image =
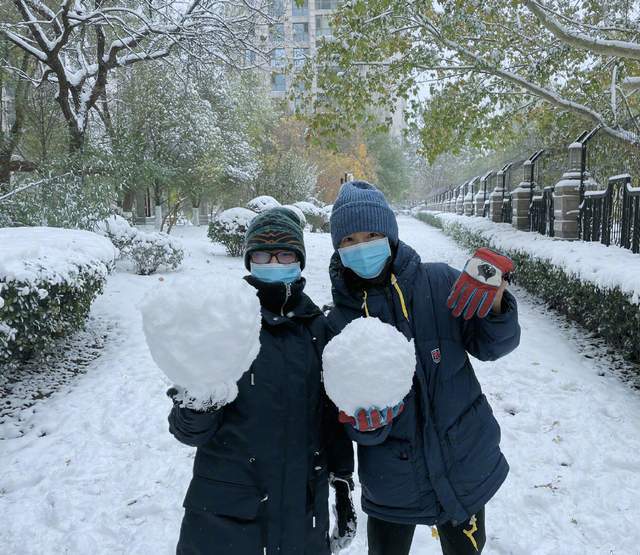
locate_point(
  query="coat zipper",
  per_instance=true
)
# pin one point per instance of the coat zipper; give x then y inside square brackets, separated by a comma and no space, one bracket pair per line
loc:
[287,294]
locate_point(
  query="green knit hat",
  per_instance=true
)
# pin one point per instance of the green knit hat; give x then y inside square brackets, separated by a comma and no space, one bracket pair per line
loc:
[277,228]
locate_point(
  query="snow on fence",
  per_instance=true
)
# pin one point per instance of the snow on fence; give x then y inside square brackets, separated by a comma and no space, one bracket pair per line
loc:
[592,284]
[573,207]
[48,279]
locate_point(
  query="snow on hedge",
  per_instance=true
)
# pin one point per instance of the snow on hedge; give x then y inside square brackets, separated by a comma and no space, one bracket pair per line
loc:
[48,279]
[308,208]
[118,230]
[369,364]
[235,218]
[147,250]
[203,336]
[150,250]
[606,267]
[316,217]
[33,254]
[297,212]
[229,228]
[262,203]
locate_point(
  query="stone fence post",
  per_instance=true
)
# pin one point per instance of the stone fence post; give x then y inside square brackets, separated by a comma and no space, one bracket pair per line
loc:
[566,197]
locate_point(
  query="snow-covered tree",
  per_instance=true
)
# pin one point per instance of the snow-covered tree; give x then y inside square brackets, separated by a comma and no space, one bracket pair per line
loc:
[77,44]
[179,139]
[482,66]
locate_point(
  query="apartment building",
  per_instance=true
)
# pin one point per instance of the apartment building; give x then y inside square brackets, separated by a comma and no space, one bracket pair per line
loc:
[295,39]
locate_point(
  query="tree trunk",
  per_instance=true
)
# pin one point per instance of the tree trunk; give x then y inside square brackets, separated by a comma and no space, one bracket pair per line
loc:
[76,138]
[5,173]
[159,219]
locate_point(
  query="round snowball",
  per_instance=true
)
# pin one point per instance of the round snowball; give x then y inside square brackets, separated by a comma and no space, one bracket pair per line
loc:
[203,336]
[369,364]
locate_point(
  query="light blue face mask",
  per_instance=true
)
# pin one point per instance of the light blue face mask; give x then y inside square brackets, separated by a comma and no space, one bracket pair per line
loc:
[366,259]
[273,273]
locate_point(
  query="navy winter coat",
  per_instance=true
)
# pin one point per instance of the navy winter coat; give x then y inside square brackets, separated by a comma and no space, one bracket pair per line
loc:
[260,475]
[440,459]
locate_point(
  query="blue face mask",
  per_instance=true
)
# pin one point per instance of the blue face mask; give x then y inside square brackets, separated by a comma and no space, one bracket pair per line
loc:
[273,273]
[366,259]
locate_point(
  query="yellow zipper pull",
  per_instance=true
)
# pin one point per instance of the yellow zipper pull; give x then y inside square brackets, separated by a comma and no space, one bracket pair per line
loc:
[364,303]
[394,282]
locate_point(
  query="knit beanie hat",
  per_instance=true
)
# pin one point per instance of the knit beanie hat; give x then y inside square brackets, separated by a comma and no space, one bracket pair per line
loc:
[362,207]
[277,228]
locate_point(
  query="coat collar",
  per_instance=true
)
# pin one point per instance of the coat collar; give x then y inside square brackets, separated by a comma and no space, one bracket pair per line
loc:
[405,265]
[279,305]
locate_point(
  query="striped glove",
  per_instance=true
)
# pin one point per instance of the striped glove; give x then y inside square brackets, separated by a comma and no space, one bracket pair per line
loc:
[367,420]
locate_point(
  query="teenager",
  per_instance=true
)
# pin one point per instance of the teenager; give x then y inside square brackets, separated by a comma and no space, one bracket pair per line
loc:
[263,462]
[435,458]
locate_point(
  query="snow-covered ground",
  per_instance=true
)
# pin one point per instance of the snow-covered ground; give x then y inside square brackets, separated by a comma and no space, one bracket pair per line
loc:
[99,473]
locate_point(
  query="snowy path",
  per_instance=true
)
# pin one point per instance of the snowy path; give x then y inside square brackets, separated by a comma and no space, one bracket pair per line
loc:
[99,473]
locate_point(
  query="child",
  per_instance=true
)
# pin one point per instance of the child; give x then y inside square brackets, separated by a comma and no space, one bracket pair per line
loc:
[435,458]
[261,471]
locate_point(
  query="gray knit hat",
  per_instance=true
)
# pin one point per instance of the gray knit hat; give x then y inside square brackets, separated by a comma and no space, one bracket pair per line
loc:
[362,207]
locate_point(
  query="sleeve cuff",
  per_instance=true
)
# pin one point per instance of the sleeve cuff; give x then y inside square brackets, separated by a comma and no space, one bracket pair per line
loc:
[508,307]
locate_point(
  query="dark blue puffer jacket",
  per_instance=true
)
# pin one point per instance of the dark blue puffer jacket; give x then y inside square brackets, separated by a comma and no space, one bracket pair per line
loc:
[260,475]
[440,459]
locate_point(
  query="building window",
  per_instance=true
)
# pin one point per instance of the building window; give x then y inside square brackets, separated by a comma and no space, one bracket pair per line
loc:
[297,10]
[300,56]
[323,27]
[278,82]
[301,32]
[278,58]
[276,33]
[276,8]
[326,4]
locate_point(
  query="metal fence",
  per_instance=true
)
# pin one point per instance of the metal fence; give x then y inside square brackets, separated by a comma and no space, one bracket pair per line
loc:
[612,216]
[609,214]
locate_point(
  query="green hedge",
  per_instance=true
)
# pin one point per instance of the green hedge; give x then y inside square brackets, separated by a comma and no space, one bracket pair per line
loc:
[33,315]
[610,313]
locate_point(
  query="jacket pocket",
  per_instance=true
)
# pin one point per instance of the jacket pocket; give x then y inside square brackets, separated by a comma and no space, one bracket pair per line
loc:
[388,474]
[223,498]
[224,515]
[474,442]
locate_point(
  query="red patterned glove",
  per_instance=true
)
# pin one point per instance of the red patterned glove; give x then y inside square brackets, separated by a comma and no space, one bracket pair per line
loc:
[476,288]
[367,420]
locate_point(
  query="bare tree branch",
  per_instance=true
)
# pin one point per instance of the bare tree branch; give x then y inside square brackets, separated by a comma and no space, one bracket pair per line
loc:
[78,46]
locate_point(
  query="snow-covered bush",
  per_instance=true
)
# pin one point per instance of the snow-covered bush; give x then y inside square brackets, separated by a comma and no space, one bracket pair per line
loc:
[203,336]
[590,283]
[262,203]
[118,231]
[369,364]
[314,215]
[229,228]
[298,212]
[48,279]
[149,251]
[65,201]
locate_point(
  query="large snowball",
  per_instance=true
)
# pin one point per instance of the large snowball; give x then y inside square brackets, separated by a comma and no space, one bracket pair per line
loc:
[370,364]
[202,335]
